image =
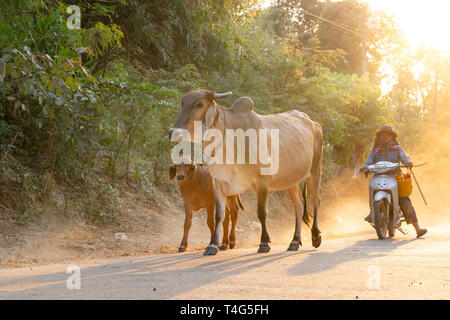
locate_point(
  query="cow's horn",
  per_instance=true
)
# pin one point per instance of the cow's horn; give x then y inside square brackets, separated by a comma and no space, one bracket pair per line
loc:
[222,95]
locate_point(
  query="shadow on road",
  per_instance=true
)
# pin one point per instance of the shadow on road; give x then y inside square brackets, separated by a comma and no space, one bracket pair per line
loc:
[167,276]
[161,276]
[364,249]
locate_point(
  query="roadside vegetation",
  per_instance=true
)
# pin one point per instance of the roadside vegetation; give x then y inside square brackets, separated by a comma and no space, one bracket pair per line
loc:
[84,113]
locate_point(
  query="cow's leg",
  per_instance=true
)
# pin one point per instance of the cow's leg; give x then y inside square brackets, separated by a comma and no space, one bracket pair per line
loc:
[187,226]
[220,201]
[297,201]
[226,223]
[234,218]
[210,219]
[262,215]
[314,186]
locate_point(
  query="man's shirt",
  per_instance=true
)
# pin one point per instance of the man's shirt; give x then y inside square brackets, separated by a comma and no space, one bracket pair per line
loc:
[389,153]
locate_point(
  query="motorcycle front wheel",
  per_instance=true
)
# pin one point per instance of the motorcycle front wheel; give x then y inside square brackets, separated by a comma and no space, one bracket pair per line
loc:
[381,217]
[391,228]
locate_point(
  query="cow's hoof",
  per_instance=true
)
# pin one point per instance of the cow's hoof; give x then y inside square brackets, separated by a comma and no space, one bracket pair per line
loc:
[293,246]
[263,248]
[316,241]
[210,251]
[232,245]
[181,249]
[223,247]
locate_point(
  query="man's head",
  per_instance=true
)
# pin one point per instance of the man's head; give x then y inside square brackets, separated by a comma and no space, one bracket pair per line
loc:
[385,135]
[386,131]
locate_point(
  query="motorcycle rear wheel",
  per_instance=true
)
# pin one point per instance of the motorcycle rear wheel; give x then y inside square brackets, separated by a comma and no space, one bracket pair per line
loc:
[381,217]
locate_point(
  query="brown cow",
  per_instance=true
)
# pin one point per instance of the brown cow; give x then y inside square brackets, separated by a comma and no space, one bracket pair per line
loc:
[196,188]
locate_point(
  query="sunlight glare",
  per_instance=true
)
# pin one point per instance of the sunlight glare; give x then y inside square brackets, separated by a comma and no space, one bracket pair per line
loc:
[423,22]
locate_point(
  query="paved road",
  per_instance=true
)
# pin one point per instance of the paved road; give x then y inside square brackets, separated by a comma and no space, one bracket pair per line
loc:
[346,268]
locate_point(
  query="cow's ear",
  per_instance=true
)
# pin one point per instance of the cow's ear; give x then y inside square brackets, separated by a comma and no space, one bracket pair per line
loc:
[192,169]
[172,172]
[210,117]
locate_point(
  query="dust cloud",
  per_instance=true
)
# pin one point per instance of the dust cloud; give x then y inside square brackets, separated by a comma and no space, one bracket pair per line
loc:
[432,178]
[158,227]
[346,200]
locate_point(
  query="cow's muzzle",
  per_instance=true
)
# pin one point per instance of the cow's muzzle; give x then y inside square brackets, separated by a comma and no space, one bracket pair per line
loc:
[178,134]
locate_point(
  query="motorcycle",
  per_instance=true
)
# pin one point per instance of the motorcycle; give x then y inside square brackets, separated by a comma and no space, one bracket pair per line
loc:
[385,211]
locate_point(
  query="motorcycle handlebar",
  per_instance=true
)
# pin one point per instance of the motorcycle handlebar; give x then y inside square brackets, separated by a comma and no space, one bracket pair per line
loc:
[367,171]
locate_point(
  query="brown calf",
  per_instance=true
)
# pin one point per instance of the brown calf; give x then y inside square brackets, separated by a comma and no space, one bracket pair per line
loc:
[196,188]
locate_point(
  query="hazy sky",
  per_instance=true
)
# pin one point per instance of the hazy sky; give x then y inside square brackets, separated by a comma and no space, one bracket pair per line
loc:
[423,22]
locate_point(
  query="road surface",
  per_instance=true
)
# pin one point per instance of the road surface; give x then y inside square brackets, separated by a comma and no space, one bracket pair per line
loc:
[356,267]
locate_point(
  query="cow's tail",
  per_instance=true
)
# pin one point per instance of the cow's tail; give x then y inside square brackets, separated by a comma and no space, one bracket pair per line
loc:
[307,215]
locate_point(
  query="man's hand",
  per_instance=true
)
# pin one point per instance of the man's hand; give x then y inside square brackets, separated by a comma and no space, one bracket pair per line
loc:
[363,170]
[410,164]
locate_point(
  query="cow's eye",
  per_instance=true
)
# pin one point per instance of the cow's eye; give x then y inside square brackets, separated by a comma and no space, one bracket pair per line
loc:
[200,105]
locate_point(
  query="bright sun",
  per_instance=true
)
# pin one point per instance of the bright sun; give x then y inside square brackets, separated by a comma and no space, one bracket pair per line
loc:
[423,22]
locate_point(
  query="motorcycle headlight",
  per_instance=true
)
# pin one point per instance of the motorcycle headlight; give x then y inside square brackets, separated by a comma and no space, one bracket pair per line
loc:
[381,183]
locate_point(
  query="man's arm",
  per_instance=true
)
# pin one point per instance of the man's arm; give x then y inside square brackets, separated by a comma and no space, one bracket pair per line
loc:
[370,159]
[404,158]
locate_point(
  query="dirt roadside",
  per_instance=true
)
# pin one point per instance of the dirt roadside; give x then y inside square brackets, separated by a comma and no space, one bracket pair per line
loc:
[148,227]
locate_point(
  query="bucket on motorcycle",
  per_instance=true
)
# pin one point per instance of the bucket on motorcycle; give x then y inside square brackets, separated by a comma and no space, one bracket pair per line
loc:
[404,182]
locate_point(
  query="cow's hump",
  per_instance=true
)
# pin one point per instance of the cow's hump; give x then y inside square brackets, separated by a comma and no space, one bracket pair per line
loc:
[243,104]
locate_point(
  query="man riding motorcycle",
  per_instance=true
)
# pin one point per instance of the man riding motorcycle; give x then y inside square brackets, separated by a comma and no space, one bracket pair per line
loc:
[386,148]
